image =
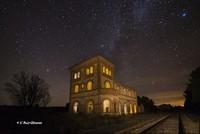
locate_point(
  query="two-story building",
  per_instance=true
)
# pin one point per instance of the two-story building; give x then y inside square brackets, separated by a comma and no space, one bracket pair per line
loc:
[94,90]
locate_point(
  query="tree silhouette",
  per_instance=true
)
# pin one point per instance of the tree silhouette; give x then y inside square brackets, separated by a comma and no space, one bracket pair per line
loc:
[147,103]
[28,90]
[192,93]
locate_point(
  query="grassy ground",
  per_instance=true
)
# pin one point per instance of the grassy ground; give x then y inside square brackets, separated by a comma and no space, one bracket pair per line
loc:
[59,121]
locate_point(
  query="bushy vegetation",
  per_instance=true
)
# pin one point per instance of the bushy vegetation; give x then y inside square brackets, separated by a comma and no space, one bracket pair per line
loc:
[192,93]
[148,104]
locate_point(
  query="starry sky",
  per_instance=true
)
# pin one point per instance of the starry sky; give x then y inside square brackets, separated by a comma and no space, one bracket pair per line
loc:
[154,44]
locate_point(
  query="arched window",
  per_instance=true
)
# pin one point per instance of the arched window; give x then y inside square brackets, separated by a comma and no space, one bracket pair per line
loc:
[90,107]
[76,107]
[87,71]
[91,69]
[89,85]
[106,106]
[76,88]
[79,75]
[104,69]
[107,71]
[107,84]
[75,76]
[125,109]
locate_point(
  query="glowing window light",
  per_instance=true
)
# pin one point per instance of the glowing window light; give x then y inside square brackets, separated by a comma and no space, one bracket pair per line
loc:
[104,69]
[106,106]
[87,71]
[107,71]
[76,107]
[76,88]
[90,107]
[107,84]
[91,69]
[89,85]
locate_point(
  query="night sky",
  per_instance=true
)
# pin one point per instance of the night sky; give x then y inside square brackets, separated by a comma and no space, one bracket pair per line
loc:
[154,44]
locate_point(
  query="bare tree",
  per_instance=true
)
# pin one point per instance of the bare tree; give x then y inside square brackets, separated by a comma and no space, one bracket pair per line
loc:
[28,90]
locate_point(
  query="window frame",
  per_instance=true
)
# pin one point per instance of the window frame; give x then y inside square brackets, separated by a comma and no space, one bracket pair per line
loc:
[105,83]
[92,86]
[109,106]
[88,105]
[77,107]
[78,88]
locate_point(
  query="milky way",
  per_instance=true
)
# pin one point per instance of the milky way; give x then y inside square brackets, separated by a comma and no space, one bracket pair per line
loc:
[154,44]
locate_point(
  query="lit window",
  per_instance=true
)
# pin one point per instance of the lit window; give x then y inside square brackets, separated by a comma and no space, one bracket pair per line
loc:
[91,69]
[106,106]
[87,71]
[104,69]
[89,85]
[75,107]
[107,71]
[107,84]
[90,107]
[75,75]
[76,88]
[78,74]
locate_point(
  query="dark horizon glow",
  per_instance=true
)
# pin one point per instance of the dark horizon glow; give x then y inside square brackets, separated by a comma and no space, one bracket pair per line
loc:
[153,44]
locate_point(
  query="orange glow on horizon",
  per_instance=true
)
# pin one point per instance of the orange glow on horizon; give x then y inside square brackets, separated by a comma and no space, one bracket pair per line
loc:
[173,97]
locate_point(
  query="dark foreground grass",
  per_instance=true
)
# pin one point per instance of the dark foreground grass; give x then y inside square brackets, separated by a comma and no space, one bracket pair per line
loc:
[59,121]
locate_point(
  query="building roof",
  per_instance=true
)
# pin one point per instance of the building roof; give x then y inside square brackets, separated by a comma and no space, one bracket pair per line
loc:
[90,58]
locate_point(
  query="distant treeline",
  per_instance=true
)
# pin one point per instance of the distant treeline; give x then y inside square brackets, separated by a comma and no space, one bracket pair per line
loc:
[192,93]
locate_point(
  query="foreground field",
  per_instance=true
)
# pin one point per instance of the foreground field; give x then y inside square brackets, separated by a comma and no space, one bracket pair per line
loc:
[58,120]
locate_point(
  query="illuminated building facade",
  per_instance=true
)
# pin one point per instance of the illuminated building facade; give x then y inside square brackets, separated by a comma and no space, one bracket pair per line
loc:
[94,90]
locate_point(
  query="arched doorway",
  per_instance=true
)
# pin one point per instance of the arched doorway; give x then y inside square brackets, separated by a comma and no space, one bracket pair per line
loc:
[90,107]
[106,106]
[76,107]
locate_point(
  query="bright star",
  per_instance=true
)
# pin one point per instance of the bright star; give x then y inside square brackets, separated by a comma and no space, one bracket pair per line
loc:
[184,14]
[47,70]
